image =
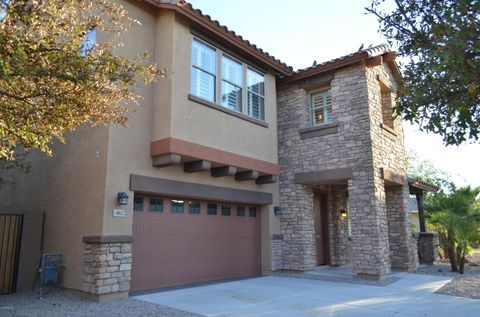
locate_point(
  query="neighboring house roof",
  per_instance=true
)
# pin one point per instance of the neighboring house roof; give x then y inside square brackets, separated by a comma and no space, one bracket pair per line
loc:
[417,185]
[383,52]
[206,22]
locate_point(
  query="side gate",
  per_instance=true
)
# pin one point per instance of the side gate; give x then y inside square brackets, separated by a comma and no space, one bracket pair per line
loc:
[10,237]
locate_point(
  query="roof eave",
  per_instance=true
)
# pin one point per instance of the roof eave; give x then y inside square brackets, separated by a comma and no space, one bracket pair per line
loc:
[222,33]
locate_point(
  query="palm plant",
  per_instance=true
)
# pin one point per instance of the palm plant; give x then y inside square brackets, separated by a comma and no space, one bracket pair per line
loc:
[456,218]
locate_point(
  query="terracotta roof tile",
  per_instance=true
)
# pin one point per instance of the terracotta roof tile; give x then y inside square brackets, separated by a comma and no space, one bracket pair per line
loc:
[185,7]
[368,52]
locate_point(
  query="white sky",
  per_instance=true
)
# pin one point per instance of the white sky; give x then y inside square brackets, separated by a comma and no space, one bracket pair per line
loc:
[300,31]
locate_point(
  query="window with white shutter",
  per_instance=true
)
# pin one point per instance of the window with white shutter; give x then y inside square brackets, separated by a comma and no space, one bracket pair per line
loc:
[320,108]
[231,83]
[204,69]
[256,94]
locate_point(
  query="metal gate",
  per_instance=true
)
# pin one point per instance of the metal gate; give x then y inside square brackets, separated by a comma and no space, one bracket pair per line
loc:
[10,235]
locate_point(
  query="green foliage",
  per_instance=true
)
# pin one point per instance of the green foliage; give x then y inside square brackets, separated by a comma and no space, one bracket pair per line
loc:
[456,217]
[439,42]
[52,79]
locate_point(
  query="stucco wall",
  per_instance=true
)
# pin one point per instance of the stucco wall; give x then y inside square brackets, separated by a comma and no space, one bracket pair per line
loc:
[166,111]
[69,187]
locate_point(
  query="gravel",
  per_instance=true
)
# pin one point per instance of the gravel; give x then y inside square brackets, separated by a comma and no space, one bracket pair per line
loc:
[65,303]
[463,285]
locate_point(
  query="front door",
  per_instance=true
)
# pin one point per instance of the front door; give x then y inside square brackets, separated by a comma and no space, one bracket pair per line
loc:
[321,229]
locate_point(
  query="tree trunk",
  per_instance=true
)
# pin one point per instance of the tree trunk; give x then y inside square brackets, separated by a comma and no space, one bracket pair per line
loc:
[452,257]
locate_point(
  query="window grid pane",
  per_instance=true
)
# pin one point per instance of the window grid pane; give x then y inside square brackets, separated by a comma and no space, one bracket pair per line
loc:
[194,207]
[177,206]
[240,211]
[256,94]
[226,210]
[138,203]
[252,212]
[321,108]
[231,96]
[155,205]
[204,69]
[212,209]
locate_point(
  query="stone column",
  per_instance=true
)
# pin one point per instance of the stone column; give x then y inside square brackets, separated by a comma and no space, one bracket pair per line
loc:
[297,224]
[366,195]
[402,246]
[428,243]
[338,226]
[107,269]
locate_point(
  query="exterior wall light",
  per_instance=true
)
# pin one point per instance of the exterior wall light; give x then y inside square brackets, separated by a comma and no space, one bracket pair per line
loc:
[277,210]
[343,213]
[122,198]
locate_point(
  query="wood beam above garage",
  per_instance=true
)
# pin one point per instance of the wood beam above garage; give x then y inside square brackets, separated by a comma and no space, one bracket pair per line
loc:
[266,179]
[246,176]
[223,171]
[197,166]
[167,160]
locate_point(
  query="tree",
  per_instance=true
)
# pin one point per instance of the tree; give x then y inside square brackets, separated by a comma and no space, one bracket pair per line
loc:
[439,43]
[456,218]
[54,77]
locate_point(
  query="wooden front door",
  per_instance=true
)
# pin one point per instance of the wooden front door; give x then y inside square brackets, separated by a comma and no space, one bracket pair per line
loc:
[321,229]
[10,234]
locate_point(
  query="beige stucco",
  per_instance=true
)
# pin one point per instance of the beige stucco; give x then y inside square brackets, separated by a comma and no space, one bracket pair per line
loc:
[78,186]
[69,187]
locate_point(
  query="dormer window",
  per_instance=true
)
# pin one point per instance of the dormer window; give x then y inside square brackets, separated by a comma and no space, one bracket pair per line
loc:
[320,108]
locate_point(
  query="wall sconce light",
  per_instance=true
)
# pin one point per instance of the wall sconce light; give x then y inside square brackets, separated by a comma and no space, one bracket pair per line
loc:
[343,213]
[122,198]
[277,210]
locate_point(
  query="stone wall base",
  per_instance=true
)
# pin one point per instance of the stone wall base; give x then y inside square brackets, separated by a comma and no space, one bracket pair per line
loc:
[427,243]
[107,269]
[372,277]
[101,298]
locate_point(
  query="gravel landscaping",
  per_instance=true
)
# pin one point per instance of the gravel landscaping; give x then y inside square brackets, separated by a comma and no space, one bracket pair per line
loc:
[462,285]
[64,303]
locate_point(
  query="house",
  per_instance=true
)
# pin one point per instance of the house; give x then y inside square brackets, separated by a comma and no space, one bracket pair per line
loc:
[234,166]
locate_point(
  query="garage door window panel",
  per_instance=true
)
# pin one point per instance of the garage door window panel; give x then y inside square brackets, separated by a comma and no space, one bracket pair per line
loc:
[240,211]
[155,205]
[177,206]
[138,204]
[252,212]
[212,209]
[194,207]
[226,210]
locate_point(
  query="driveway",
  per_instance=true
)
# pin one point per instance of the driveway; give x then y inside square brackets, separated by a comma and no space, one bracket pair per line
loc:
[278,296]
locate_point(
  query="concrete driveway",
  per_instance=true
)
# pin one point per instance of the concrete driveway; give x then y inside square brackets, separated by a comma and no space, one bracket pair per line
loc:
[277,296]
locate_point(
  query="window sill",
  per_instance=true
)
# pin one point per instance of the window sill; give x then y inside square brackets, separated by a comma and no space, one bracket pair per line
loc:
[228,111]
[388,132]
[324,129]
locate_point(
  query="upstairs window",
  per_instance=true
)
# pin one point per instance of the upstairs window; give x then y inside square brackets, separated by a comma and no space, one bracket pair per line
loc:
[204,70]
[386,101]
[240,87]
[231,84]
[320,108]
[256,94]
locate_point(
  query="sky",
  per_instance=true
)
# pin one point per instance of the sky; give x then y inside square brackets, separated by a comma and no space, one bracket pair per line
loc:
[299,32]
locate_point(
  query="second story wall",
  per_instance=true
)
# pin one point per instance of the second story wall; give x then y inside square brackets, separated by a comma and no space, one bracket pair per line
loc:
[343,141]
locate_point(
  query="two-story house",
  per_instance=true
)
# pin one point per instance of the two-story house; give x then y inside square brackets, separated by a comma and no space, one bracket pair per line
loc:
[233,166]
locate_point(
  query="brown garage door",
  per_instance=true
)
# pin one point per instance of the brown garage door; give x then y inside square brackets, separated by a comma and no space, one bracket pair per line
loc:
[178,242]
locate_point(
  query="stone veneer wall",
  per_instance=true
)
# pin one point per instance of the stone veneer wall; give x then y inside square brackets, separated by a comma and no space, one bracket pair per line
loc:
[428,243]
[360,144]
[338,226]
[389,153]
[107,268]
[277,251]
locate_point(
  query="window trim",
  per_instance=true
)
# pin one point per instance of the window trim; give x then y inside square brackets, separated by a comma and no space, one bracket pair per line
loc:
[323,107]
[244,104]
